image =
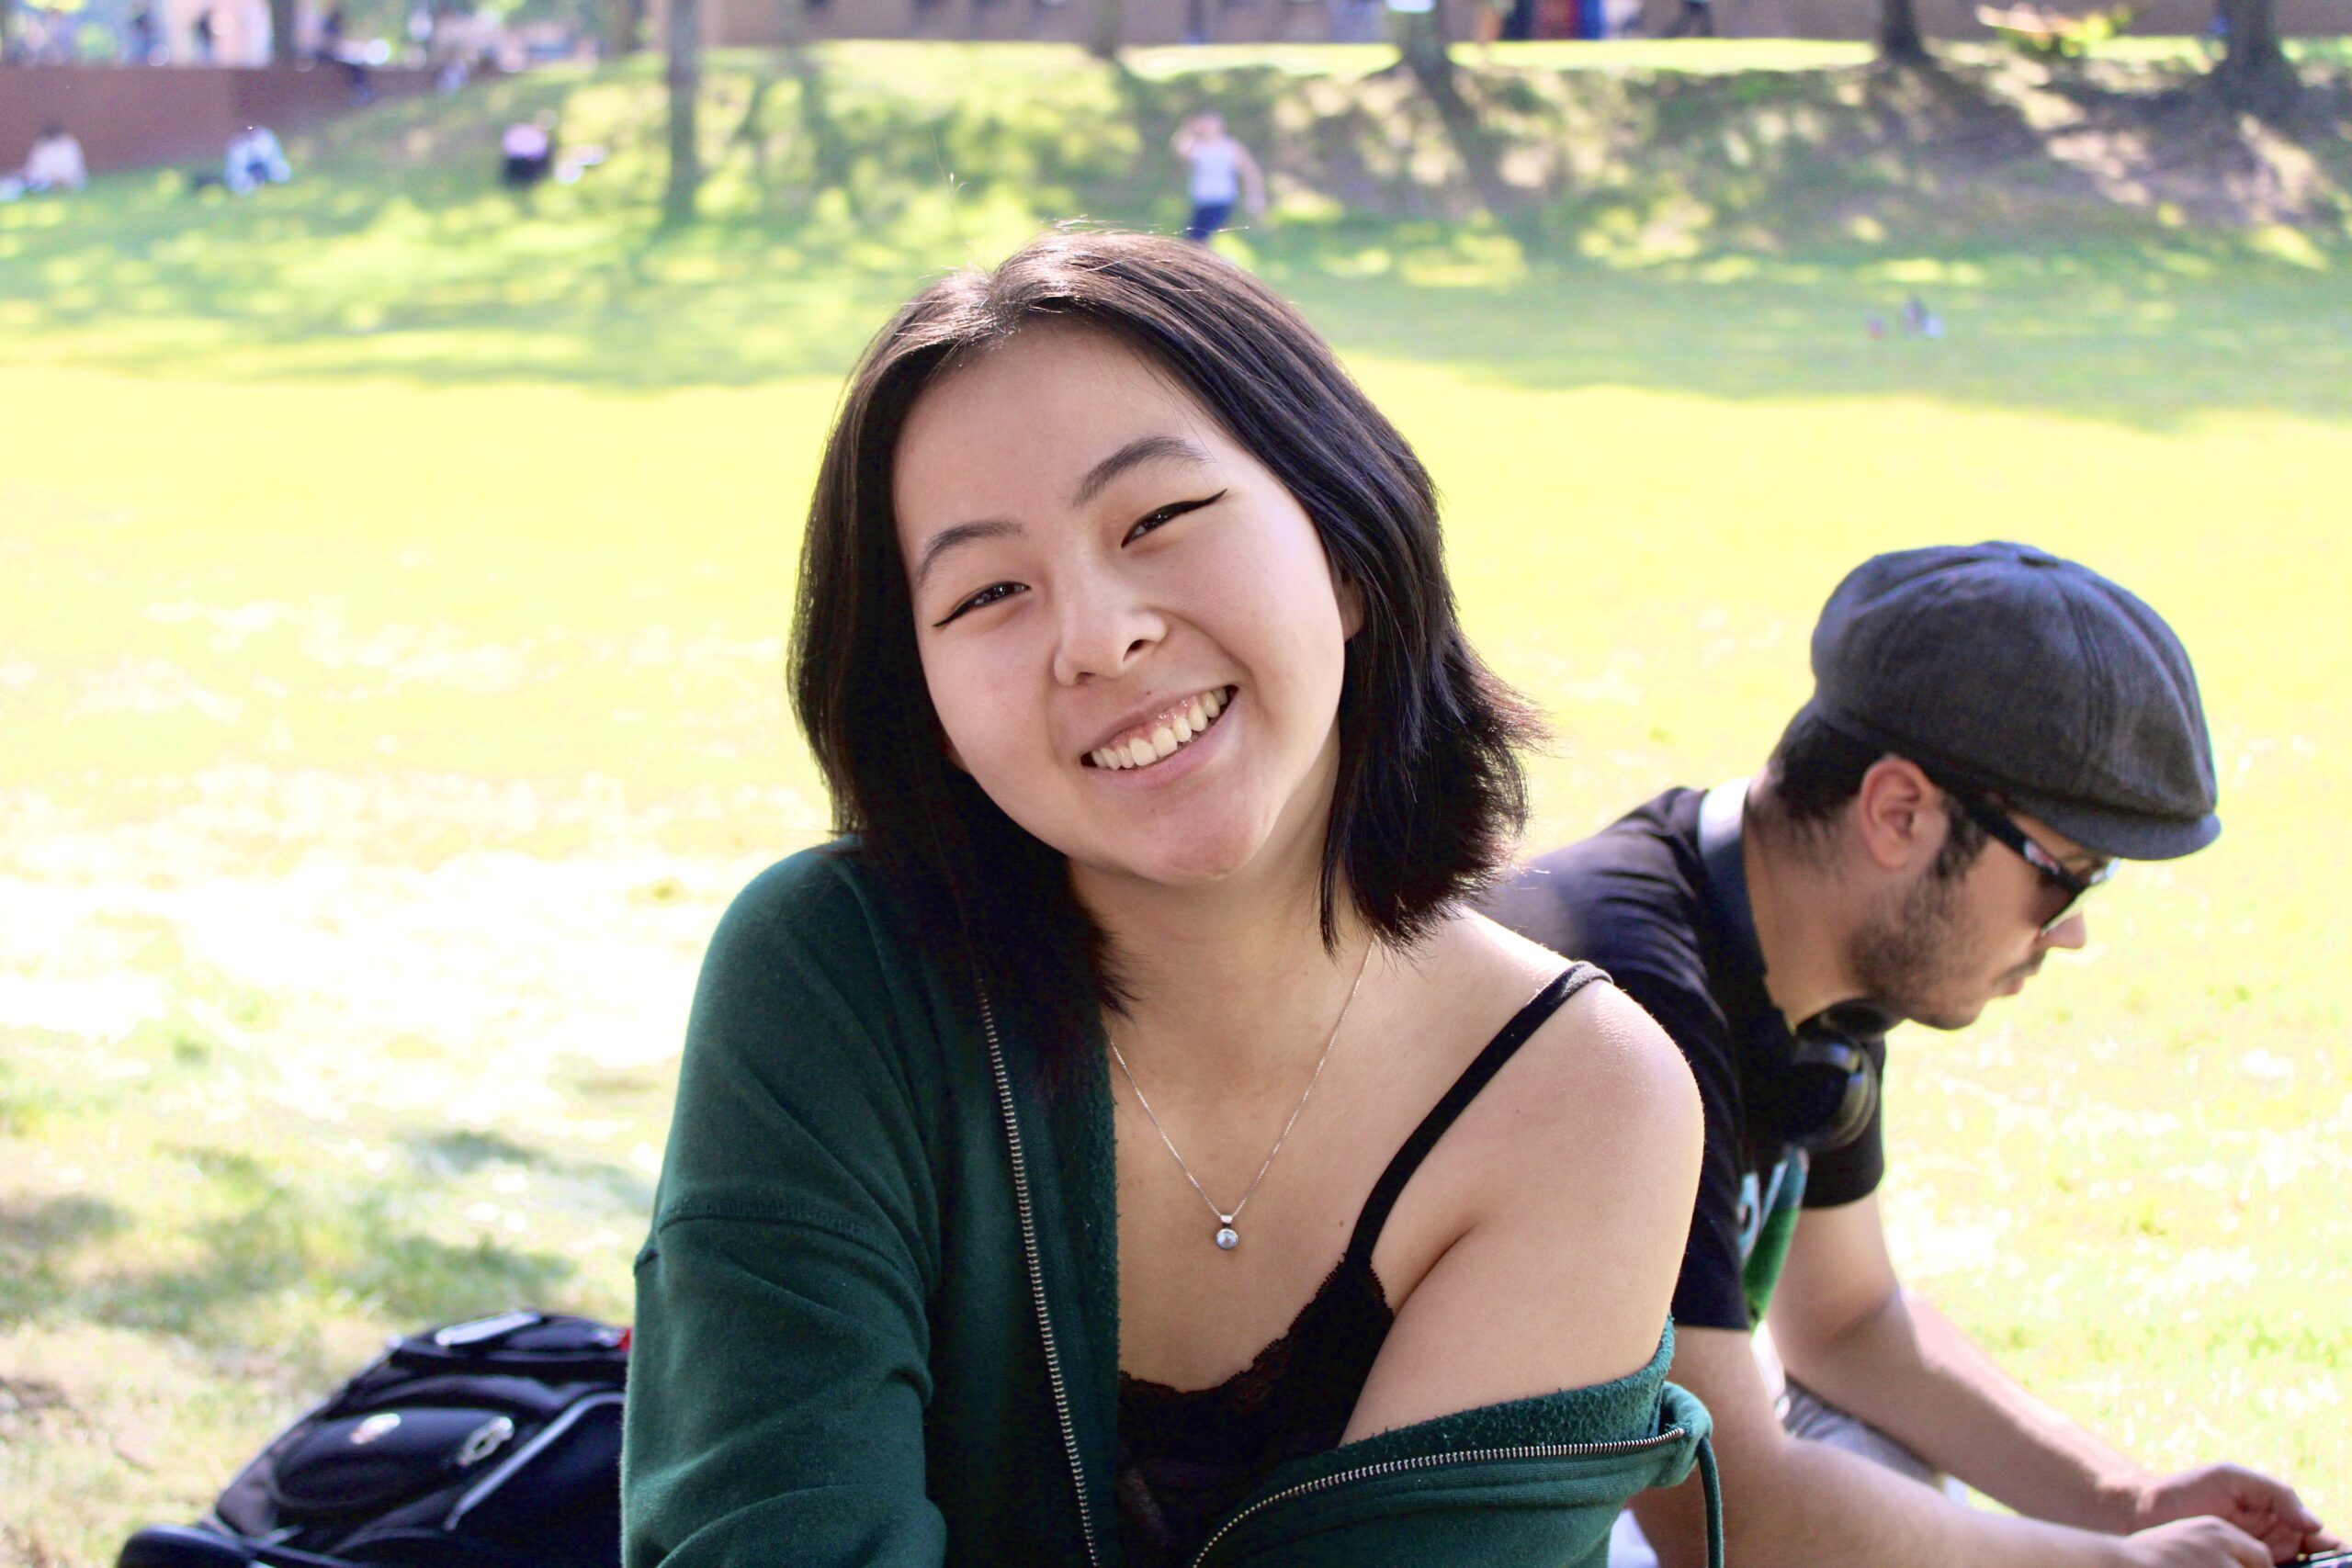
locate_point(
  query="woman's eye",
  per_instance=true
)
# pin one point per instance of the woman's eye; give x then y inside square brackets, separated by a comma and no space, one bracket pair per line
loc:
[995,593]
[1168,514]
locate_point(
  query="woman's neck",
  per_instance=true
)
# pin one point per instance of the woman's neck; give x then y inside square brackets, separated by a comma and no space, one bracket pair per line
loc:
[1231,989]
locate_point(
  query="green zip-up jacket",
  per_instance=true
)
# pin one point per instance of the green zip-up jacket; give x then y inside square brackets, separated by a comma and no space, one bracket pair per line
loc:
[877,1318]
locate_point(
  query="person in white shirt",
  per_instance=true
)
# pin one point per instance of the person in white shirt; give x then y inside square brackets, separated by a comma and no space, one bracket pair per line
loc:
[254,158]
[55,161]
[529,148]
[1222,174]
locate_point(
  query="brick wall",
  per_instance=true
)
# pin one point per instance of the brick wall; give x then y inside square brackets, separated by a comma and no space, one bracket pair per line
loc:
[133,117]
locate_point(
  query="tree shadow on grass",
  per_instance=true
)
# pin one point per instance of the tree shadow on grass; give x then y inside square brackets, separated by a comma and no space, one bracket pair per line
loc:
[39,1225]
[1725,236]
[1757,238]
[35,1235]
[338,1240]
[460,1152]
[2152,351]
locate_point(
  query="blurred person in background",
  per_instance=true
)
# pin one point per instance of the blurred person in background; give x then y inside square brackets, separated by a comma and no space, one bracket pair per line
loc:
[1220,173]
[143,44]
[254,159]
[1692,19]
[527,151]
[54,164]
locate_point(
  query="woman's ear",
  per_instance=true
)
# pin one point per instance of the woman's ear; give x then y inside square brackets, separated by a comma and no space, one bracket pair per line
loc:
[1351,599]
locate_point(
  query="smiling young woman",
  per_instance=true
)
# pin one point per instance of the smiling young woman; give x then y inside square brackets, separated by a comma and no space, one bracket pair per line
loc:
[1122,1145]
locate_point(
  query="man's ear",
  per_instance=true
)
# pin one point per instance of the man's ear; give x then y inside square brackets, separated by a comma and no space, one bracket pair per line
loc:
[1898,813]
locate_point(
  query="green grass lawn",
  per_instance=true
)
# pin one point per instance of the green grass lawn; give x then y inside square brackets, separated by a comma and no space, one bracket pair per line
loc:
[393,585]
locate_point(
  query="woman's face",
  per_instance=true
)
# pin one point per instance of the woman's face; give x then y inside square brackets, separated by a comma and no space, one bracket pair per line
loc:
[1129,629]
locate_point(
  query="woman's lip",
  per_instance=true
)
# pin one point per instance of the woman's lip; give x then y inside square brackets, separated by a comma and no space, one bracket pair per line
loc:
[1186,761]
[1144,715]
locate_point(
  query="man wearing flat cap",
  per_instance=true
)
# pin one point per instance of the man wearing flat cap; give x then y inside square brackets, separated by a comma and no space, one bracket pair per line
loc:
[1992,730]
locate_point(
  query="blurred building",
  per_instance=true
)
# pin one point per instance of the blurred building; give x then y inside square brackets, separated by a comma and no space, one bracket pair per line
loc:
[240,31]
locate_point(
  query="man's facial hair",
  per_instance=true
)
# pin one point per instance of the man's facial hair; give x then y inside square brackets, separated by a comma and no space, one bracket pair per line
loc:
[1906,957]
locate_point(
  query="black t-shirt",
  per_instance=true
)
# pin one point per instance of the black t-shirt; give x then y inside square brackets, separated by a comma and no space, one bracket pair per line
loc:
[1633,899]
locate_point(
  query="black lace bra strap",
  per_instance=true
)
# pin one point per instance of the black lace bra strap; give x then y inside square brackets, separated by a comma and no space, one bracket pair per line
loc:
[1515,1034]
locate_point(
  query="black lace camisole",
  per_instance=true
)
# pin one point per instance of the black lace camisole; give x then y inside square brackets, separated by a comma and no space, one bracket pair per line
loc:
[1189,1457]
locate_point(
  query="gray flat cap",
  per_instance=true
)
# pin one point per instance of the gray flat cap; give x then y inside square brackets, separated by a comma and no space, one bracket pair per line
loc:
[2004,669]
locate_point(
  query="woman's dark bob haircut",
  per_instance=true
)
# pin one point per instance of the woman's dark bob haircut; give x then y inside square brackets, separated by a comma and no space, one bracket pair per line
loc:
[1430,798]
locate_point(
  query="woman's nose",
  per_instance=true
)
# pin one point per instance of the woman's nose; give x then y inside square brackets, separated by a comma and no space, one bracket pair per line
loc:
[1102,630]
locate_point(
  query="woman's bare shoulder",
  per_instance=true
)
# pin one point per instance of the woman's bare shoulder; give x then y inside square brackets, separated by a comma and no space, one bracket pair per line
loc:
[1599,1054]
[1579,1164]
[1597,1111]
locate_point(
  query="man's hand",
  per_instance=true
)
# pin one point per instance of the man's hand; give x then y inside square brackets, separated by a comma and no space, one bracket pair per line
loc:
[2196,1543]
[2266,1509]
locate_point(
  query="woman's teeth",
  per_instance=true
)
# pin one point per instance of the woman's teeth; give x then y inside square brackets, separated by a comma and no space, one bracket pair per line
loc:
[1164,736]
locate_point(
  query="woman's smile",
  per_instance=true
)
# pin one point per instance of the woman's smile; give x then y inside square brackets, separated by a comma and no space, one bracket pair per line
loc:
[1143,746]
[1190,759]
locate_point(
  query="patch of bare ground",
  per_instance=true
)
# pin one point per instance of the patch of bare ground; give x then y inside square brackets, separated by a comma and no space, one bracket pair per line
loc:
[1988,146]
[28,1547]
[2165,146]
[24,1398]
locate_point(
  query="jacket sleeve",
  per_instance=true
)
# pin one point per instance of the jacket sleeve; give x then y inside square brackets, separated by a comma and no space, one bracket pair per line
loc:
[780,1369]
[1537,1479]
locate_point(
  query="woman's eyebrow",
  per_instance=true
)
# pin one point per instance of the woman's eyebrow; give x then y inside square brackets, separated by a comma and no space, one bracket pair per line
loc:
[947,539]
[1143,449]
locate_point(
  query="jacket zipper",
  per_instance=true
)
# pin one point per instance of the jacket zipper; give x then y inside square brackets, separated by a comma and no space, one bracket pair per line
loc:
[1037,1274]
[1427,1461]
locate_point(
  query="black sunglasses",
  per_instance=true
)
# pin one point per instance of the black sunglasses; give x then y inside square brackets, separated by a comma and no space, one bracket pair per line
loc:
[2070,887]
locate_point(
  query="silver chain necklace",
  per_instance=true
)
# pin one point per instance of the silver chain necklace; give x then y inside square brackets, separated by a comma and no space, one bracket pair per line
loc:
[1226,1237]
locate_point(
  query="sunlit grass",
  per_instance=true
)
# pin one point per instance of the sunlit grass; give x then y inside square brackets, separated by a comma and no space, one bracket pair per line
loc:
[392,592]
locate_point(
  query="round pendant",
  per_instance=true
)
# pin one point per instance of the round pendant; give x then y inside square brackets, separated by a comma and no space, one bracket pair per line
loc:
[1227,1238]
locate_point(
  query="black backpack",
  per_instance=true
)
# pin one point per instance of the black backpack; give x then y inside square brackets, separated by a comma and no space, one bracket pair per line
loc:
[494,1443]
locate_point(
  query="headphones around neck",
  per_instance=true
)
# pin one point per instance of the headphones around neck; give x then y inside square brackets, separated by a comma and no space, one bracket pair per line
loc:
[1821,1092]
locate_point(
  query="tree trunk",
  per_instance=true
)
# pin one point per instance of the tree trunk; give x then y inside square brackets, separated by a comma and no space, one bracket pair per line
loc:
[281,32]
[1420,45]
[629,27]
[685,45]
[753,135]
[1899,39]
[1422,49]
[1108,29]
[832,160]
[8,31]
[2253,74]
